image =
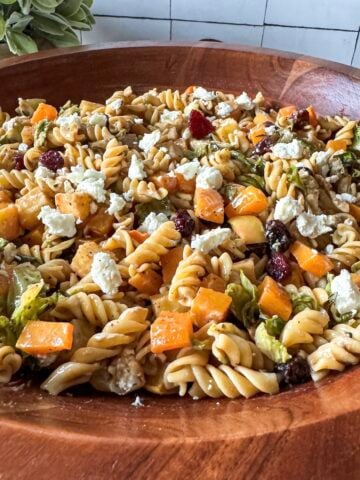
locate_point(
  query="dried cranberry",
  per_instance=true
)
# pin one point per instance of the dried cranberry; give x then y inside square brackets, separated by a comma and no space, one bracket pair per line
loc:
[293,372]
[199,125]
[278,267]
[278,236]
[264,146]
[18,159]
[184,223]
[300,118]
[52,160]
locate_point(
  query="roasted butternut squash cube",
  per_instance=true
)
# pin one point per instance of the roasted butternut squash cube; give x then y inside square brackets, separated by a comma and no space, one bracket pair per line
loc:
[311,260]
[249,201]
[29,207]
[9,222]
[209,205]
[82,260]
[209,305]
[146,282]
[76,203]
[274,300]
[99,225]
[171,330]
[35,236]
[170,262]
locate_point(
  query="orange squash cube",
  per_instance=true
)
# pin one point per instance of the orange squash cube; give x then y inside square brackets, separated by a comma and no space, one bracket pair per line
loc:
[139,237]
[35,236]
[9,222]
[274,300]
[311,260]
[312,116]
[209,305]
[295,278]
[170,262]
[100,224]
[171,330]
[250,201]
[209,205]
[44,111]
[42,338]
[257,134]
[337,145]
[183,185]
[261,118]
[287,111]
[148,282]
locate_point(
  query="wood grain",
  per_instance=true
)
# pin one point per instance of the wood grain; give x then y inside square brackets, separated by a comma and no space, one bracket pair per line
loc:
[307,433]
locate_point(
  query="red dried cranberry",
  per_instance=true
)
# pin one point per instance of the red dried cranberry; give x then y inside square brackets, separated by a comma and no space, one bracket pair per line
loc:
[300,118]
[264,146]
[52,160]
[199,125]
[278,236]
[184,223]
[293,372]
[18,161]
[278,267]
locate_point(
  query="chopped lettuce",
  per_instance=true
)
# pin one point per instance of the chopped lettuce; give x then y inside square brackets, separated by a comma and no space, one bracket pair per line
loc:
[3,243]
[356,140]
[244,300]
[23,276]
[142,210]
[274,325]
[302,301]
[253,180]
[7,336]
[294,177]
[41,131]
[270,346]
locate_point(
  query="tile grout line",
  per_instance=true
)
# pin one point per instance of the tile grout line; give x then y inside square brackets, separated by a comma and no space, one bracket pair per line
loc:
[262,35]
[356,44]
[171,23]
[229,23]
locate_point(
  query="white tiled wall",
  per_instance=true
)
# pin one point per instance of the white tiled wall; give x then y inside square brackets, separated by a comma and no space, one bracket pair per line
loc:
[322,28]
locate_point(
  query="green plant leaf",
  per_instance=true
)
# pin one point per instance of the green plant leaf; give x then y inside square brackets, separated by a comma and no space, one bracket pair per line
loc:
[25,6]
[7,2]
[18,22]
[2,27]
[46,6]
[69,39]
[19,43]
[69,7]
[48,26]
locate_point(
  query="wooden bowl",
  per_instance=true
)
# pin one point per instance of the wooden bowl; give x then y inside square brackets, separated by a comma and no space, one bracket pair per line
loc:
[307,433]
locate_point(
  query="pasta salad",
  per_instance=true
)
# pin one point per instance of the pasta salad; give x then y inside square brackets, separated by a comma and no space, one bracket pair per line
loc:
[197,243]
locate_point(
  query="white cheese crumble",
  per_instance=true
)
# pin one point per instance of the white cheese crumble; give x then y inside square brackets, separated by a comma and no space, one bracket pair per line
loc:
[117,203]
[329,249]
[114,104]
[98,119]
[9,124]
[244,101]
[89,181]
[270,130]
[137,402]
[149,140]
[286,209]
[322,162]
[105,274]
[312,226]
[61,224]
[186,134]
[128,196]
[292,150]
[23,147]
[170,116]
[346,197]
[204,94]
[67,120]
[152,222]
[209,177]
[211,239]
[43,172]
[136,169]
[347,293]
[188,170]
[138,121]
[224,109]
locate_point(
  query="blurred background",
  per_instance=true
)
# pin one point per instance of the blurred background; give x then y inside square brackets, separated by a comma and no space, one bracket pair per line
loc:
[322,28]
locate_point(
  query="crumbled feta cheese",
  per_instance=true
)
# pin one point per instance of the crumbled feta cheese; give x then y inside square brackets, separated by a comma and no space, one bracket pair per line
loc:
[346,197]
[149,140]
[337,170]
[244,101]
[152,222]
[61,224]
[23,147]
[163,149]
[270,130]
[204,94]
[312,226]
[286,209]
[76,175]
[136,169]
[224,109]
[347,293]
[186,134]
[211,239]
[286,136]
[105,273]
[114,104]
[98,119]
[67,120]
[292,150]
[137,402]
[9,124]
[138,121]
[170,116]
[117,203]
[209,177]
[322,162]
[93,183]
[329,249]
[188,170]
[43,172]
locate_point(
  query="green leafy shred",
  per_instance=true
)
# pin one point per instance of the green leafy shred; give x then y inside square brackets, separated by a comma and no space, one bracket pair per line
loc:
[294,177]
[23,276]
[270,346]
[356,140]
[274,325]
[7,336]
[301,302]
[41,131]
[244,300]
[3,243]
[252,179]
[142,210]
